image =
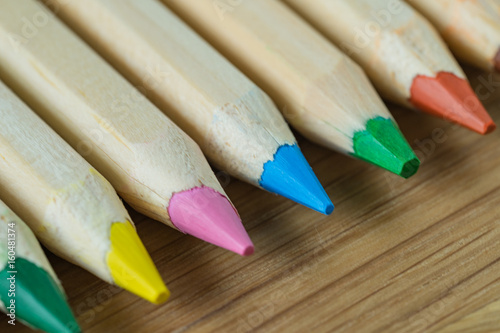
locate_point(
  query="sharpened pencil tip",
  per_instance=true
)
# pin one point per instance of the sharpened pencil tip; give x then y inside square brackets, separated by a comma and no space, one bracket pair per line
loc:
[410,168]
[489,128]
[452,98]
[39,299]
[290,175]
[131,266]
[383,144]
[206,214]
[248,251]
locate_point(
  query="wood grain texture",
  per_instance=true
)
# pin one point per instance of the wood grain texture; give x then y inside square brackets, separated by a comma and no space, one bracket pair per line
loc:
[484,320]
[396,256]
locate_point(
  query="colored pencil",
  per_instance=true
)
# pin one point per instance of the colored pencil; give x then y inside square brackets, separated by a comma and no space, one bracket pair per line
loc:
[326,95]
[470,27]
[152,164]
[29,288]
[404,57]
[235,123]
[70,207]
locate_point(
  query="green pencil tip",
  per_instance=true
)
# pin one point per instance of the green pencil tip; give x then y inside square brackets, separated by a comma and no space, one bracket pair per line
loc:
[38,299]
[383,145]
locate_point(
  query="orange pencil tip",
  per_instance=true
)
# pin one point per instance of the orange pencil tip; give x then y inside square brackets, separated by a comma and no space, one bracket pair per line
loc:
[453,99]
[490,128]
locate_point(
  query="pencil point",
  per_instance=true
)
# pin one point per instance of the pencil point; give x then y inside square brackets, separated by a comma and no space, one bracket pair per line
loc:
[383,144]
[290,175]
[39,299]
[208,215]
[497,60]
[132,267]
[452,98]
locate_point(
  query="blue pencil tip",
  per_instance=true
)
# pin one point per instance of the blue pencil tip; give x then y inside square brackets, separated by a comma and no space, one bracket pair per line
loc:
[290,175]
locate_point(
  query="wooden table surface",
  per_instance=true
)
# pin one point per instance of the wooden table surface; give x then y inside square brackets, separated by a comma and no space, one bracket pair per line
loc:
[421,255]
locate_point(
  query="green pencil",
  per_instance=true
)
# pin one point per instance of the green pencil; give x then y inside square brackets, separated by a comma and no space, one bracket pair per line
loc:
[29,288]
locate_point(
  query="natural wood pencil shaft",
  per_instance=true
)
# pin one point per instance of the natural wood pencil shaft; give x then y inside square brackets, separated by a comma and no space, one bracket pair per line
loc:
[140,151]
[403,54]
[235,123]
[470,27]
[71,206]
[322,93]
[26,245]
[393,43]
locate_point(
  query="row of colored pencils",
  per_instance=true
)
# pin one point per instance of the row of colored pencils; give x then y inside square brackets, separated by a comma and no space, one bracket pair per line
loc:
[75,134]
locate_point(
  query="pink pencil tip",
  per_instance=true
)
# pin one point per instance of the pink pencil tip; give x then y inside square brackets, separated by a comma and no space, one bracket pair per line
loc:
[208,215]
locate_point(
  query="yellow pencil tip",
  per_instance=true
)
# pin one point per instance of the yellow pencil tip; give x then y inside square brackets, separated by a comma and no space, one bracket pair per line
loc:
[131,266]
